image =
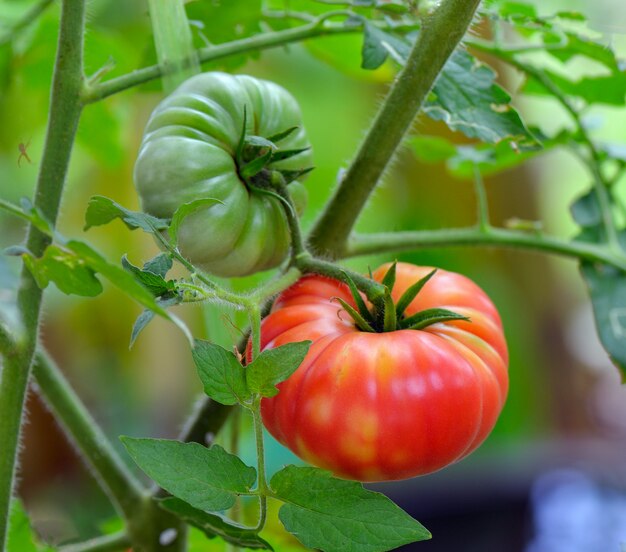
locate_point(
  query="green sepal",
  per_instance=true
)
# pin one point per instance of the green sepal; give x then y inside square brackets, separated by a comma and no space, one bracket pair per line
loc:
[283,134]
[411,293]
[360,322]
[389,279]
[428,317]
[358,299]
[287,154]
[290,176]
[259,142]
[390,319]
[257,165]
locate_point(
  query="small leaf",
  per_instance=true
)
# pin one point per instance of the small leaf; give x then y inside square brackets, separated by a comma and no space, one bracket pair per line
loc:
[154,283]
[160,265]
[428,317]
[273,366]
[586,210]
[102,210]
[207,478]
[142,321]
[411,293]
[70,273]
[275,138]
[607,288]
[214,526]
[332,514]
[374,53]
[222,375]
[184,211]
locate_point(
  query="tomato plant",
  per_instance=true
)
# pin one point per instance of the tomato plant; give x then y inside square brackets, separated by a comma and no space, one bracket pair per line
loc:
[378,377]
[377,406]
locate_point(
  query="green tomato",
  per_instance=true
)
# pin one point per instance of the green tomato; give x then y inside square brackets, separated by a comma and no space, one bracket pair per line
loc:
[189,152]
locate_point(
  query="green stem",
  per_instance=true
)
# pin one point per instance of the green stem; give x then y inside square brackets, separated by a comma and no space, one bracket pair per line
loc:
[65,108]
[319,27]
[481,200]
[107,466]
[593,162]
[441,32]
[367,244]
[263,486]
[107,543]
[25,21]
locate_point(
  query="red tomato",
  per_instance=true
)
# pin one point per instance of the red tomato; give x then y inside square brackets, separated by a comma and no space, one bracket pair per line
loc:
[385,406]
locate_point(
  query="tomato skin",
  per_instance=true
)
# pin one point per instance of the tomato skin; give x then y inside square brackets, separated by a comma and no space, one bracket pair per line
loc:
[187,153]
[387,406]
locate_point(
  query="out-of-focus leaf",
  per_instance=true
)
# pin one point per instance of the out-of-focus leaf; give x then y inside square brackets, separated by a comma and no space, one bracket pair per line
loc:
[21,537]
[607,288]
[100,133]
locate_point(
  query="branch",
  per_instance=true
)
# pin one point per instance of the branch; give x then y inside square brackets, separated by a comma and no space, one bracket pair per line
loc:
[366,244]
[25,21]
[106,543]
[110,470]
[441,32]
[65,111]
[319,27]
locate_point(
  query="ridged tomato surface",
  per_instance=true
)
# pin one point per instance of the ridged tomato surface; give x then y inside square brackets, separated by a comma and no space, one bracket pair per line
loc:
[384,406]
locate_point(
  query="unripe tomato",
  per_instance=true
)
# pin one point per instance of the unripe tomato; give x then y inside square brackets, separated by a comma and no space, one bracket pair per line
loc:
[393,405]
[188,152]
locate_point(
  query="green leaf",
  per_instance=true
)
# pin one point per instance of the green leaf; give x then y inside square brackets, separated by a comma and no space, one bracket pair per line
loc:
[160,265]
[184,211]
[155,284]
[336,515]
[20,536]
[207,478]
[607,288]
[411,293]
[215,526]
[428,317]
[485,113]
[147,316]
[102,210]
[70,273]
[273,366]
[586,210]
[222,375]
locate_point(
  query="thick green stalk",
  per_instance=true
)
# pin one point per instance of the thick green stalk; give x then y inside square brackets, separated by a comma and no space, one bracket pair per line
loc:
[107,466]
[65,108]
[385,242]
[441,32]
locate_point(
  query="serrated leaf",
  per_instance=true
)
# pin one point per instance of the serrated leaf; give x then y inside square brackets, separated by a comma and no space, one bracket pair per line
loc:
[222,375]
[485,113]
[155,284]
[160,265]
[607,288]
[71,274]
[273,366]
[207,478]
[215,526]
[102,210]
[336,515]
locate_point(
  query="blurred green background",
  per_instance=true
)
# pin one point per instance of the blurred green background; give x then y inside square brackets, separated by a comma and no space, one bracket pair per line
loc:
[563,393]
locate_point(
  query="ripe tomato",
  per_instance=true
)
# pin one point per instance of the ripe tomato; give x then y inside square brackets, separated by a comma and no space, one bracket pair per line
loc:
[385,406]
[188,152]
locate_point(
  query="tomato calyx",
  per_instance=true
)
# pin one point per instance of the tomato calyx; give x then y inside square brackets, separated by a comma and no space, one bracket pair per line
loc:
[255,154]
[391,316]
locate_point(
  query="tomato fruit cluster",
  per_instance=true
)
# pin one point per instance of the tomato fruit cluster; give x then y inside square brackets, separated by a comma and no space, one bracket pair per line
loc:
[189,152]
[391,405]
